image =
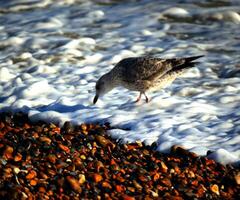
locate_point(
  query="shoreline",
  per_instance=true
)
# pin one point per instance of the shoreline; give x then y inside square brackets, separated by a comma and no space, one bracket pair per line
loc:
[40,160]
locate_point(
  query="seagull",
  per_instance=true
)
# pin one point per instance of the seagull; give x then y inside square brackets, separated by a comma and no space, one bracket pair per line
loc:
[143,74]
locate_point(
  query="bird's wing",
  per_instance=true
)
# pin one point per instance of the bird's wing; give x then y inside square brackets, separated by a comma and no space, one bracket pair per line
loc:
[145,68]
[175,65]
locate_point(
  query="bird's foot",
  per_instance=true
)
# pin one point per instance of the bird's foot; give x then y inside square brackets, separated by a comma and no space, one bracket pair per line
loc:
[146,98]
[139,97]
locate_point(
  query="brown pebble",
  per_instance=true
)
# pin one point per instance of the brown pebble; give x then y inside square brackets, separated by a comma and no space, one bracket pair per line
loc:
[179,150]
[104,141]
[61,165]
[166,182]
[177,170]
[64,148]
[201,190]
[83,127]
[132,146]
[99,165]
[8,170]
[43,175]
[26,126]
[68,128]
[209,162]
[50,193]
[45,139]
[74,184]
[106,185]
[131,189]
[163,167]
[77,162]
[191,174]
[237,178]
[156,176]
[195,183]
[119,188]
[41,189]
[143,178]
[8,152]
[35,135]
[33,182]
[32,174]
[2,125]
[97,177]
[127,197]
[51,172]
[52,158]
[82,178]
[153,193]
[193,155]
[214,188]
[18,157]
[137,185]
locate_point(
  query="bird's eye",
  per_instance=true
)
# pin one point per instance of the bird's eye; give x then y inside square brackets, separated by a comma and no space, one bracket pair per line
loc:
[97,87]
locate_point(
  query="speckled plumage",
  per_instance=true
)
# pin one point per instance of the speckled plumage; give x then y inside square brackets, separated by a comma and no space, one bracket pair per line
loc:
[143,74]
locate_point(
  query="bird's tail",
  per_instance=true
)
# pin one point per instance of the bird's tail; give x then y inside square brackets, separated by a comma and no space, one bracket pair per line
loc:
[185,63]
[189,59]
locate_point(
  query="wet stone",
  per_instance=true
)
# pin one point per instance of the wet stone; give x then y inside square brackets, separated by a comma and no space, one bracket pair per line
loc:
[74,184]
[67,128]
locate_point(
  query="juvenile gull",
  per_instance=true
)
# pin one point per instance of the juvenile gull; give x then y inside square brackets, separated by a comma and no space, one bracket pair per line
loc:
[143,74]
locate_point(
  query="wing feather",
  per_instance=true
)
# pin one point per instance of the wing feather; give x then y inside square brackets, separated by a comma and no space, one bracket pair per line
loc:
[141,68]
[135,69]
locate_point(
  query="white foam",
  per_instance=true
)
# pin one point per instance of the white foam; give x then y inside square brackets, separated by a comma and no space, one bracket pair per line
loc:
[223,156]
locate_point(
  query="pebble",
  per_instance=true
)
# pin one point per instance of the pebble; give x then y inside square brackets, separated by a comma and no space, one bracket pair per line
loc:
[214,188]
[32,174]
[74,184]
[237,178]
[176,12]
[82,178]
[97,178]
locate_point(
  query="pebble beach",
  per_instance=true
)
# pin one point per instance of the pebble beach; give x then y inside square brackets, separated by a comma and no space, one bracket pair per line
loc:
[44,161]
[55,144]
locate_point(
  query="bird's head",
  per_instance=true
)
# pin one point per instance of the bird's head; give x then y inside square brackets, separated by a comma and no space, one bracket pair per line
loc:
[103,85]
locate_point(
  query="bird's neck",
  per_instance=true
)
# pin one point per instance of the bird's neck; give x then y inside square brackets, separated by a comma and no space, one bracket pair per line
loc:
[113,79]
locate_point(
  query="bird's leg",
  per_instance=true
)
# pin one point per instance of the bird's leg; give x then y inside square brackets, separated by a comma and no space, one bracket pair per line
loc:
[146,98]
[139,97]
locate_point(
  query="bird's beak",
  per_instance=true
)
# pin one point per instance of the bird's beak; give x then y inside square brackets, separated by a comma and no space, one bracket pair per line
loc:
[95,99]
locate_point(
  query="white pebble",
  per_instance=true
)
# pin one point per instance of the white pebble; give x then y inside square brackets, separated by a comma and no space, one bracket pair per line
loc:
[5,75]
[146,32]
[176,12]
[97,14]
[227,16]
[87,40]
[25,55]
[93,59]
